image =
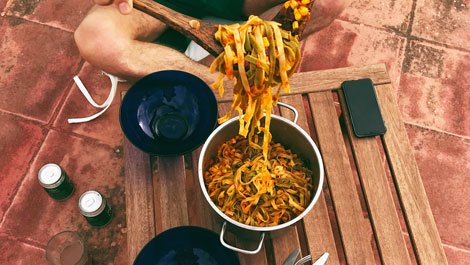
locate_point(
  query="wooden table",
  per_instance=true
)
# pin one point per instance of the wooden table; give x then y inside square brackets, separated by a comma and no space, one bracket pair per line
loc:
[362,216]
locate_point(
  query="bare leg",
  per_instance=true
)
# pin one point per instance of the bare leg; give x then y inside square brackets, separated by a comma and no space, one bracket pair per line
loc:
[121,45]
[323,13]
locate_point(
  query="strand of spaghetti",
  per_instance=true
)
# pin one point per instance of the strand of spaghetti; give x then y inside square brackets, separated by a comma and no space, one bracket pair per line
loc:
[228,62]
[281,58]
[241,60]
[267,134]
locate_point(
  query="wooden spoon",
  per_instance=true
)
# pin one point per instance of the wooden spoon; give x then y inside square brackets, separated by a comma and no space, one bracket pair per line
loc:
[204,35]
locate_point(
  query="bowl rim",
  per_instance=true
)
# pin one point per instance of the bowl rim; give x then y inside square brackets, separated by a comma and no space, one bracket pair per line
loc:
[172,230]
[143,79]
[262,228]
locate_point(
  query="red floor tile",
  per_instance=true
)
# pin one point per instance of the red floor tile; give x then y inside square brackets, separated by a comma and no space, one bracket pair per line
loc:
[66,15]
[39,67]
[443,21]
[443,161]
[457,256]
[344,44]
[35,217]
[13,252]
[394,15]
[19,150]
[434,88]
[106,128]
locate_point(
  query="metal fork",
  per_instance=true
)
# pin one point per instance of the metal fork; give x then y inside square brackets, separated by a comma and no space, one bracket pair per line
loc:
[303,260]
[320,261]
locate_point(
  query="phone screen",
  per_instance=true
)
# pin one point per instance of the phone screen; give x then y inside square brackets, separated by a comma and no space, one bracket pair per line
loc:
[363,108]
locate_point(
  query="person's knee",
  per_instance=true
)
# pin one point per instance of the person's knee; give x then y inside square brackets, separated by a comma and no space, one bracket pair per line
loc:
[331,8]
[93,36]
[98,39]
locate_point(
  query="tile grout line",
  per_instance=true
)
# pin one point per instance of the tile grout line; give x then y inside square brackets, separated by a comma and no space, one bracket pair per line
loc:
[26,242]
[18,115]
[35,21]
[465,250]
[437,130]
[443,45]
[28,168]
[83,137]
[412,18]
[404,63]
[456,248]
[63,99]
[387,30]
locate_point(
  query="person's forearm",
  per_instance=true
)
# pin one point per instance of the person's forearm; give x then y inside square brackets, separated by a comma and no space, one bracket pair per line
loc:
[154,57]
[138,59]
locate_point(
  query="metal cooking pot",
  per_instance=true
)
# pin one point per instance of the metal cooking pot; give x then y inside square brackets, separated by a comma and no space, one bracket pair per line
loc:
[284,131]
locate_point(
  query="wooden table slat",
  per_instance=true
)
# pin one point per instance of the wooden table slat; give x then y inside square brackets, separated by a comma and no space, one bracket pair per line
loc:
[139,200]
[351,222]
[376,188]
[172,193]
[323,80]
[259,258]
[284,241]
[201,214]
[414,202]
[318,231]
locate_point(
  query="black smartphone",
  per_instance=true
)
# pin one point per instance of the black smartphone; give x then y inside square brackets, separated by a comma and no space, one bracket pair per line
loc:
[363,107]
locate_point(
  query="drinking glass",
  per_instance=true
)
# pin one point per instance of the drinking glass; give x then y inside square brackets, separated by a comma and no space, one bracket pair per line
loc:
[67,248]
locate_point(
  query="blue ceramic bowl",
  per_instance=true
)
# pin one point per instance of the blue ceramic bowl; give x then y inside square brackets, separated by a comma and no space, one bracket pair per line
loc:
[186,245]
[168,113]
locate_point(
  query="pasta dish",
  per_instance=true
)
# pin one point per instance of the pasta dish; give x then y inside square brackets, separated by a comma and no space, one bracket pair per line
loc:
[256,193]
[253,180]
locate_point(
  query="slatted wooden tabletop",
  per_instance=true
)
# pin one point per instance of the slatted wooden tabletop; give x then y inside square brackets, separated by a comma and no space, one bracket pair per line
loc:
[373,198]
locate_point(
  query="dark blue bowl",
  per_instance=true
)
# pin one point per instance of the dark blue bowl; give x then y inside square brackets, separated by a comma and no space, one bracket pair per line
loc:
[168,113]
[186,245]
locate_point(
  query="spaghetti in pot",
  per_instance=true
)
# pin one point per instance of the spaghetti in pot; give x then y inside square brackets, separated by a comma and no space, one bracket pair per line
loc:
[256,192]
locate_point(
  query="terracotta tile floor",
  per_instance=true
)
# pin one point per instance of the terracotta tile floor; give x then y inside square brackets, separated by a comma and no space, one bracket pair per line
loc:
[424,43]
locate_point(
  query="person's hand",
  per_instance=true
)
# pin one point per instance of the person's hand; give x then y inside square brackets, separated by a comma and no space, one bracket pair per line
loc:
[124,6]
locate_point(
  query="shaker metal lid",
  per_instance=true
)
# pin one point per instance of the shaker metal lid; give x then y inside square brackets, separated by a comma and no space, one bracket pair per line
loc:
[49,175]
[91,203]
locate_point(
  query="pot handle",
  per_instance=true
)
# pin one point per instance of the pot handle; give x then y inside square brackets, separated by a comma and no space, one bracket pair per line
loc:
[249,252]
[296,114]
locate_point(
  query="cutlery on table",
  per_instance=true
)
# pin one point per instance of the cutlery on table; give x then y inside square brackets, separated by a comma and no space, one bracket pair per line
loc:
[293,256]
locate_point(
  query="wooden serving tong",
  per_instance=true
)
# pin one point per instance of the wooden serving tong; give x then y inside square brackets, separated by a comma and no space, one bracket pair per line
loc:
[204,33]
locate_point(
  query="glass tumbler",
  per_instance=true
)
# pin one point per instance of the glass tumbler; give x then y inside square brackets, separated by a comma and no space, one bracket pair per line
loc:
[67,248]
